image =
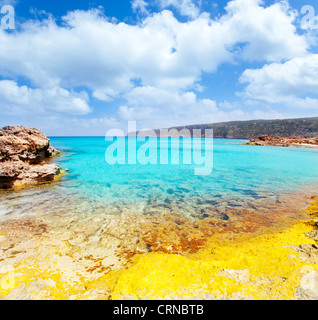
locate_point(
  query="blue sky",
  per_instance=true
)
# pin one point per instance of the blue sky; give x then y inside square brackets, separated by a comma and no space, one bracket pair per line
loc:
[83,67]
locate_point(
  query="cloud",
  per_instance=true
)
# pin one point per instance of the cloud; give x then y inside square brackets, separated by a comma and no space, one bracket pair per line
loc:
[155,65]
[154,107]
[21,100]
[92,51]
[157,108]
[187,8]
[258,33]
[55,125]
[290,83]
[139,5]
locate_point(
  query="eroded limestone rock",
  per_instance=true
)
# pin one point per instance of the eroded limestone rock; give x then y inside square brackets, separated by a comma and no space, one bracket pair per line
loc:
[23,155]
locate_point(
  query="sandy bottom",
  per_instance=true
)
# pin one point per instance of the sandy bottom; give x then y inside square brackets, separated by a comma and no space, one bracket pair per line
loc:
[265,252]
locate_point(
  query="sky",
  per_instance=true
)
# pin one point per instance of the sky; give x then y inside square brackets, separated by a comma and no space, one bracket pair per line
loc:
[80,68]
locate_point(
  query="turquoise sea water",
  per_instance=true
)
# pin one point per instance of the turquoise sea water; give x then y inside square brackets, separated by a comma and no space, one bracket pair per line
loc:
[239,172]
[236,168]
[242,176]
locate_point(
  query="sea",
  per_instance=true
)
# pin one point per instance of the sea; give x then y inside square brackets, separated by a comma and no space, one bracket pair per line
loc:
[121,199]
[161,179]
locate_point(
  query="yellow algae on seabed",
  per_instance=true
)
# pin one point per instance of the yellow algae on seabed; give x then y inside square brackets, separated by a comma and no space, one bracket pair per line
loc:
[267,266]
[263,267]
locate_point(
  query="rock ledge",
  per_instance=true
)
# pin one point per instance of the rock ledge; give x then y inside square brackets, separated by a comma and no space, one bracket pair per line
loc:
[23,157]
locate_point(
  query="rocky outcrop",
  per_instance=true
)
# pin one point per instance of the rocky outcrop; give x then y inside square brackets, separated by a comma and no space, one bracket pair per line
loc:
[267,140]
[23,157]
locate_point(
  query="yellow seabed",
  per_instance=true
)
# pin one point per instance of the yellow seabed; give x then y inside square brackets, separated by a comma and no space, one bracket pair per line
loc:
[265,267]
[281,264]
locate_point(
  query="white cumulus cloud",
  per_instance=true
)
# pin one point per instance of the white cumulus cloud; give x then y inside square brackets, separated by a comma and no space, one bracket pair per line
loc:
[21,99]
[189,8]
[157,108]
[291,82]
[155,65]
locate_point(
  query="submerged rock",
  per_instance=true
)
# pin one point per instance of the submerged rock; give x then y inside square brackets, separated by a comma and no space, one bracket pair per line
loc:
[213,213]
[23,154]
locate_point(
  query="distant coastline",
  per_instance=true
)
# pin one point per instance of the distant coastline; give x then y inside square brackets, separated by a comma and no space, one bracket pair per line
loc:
[252,129]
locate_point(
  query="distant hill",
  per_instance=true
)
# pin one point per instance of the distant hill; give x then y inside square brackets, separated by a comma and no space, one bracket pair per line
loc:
[302,127]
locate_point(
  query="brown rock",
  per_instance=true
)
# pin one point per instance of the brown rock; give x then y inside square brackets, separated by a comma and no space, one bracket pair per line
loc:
[23,152]
[267,140]
[25,144]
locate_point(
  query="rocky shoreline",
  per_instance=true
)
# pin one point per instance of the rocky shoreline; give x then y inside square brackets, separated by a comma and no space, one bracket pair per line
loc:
[24,154]
[58,252]
[301,142]
[63,256]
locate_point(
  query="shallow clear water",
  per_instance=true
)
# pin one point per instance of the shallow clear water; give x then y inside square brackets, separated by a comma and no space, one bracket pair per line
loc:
[238,170]
[242,177]
[99,216]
